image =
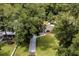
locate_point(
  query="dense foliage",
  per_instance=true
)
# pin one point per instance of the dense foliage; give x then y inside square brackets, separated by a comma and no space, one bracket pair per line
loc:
[27,19]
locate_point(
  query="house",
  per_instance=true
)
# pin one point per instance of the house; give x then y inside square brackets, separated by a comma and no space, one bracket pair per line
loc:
[48,26]
[8,34]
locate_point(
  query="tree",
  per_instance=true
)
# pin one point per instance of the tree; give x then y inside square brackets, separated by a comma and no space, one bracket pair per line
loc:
[74,48]
[65,30]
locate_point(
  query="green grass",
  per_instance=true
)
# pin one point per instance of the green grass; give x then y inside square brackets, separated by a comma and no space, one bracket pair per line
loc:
[6,49]
[47,45]
[21,51]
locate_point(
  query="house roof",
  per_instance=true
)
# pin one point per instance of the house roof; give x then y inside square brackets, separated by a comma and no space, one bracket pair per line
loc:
[49,27]
[7,32]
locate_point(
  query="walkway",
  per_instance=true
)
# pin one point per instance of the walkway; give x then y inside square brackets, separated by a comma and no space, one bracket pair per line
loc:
[32,45]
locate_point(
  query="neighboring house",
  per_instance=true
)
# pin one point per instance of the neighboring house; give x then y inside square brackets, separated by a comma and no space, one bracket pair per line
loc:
[48,26]
[8,34]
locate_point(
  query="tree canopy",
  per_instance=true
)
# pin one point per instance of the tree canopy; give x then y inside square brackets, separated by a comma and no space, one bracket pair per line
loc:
[27,19]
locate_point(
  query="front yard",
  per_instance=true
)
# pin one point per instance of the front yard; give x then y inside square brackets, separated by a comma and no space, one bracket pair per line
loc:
[21,51]
[47,45]
[6,49]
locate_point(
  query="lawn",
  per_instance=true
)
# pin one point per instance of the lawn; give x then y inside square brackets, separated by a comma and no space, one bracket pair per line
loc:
[6,49]
[47,45]
[21,51]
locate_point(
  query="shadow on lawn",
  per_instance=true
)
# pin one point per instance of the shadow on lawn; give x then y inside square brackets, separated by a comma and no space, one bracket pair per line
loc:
[25,46]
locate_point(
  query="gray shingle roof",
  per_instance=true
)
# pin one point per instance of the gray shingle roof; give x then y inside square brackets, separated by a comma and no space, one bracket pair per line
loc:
[7,32]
